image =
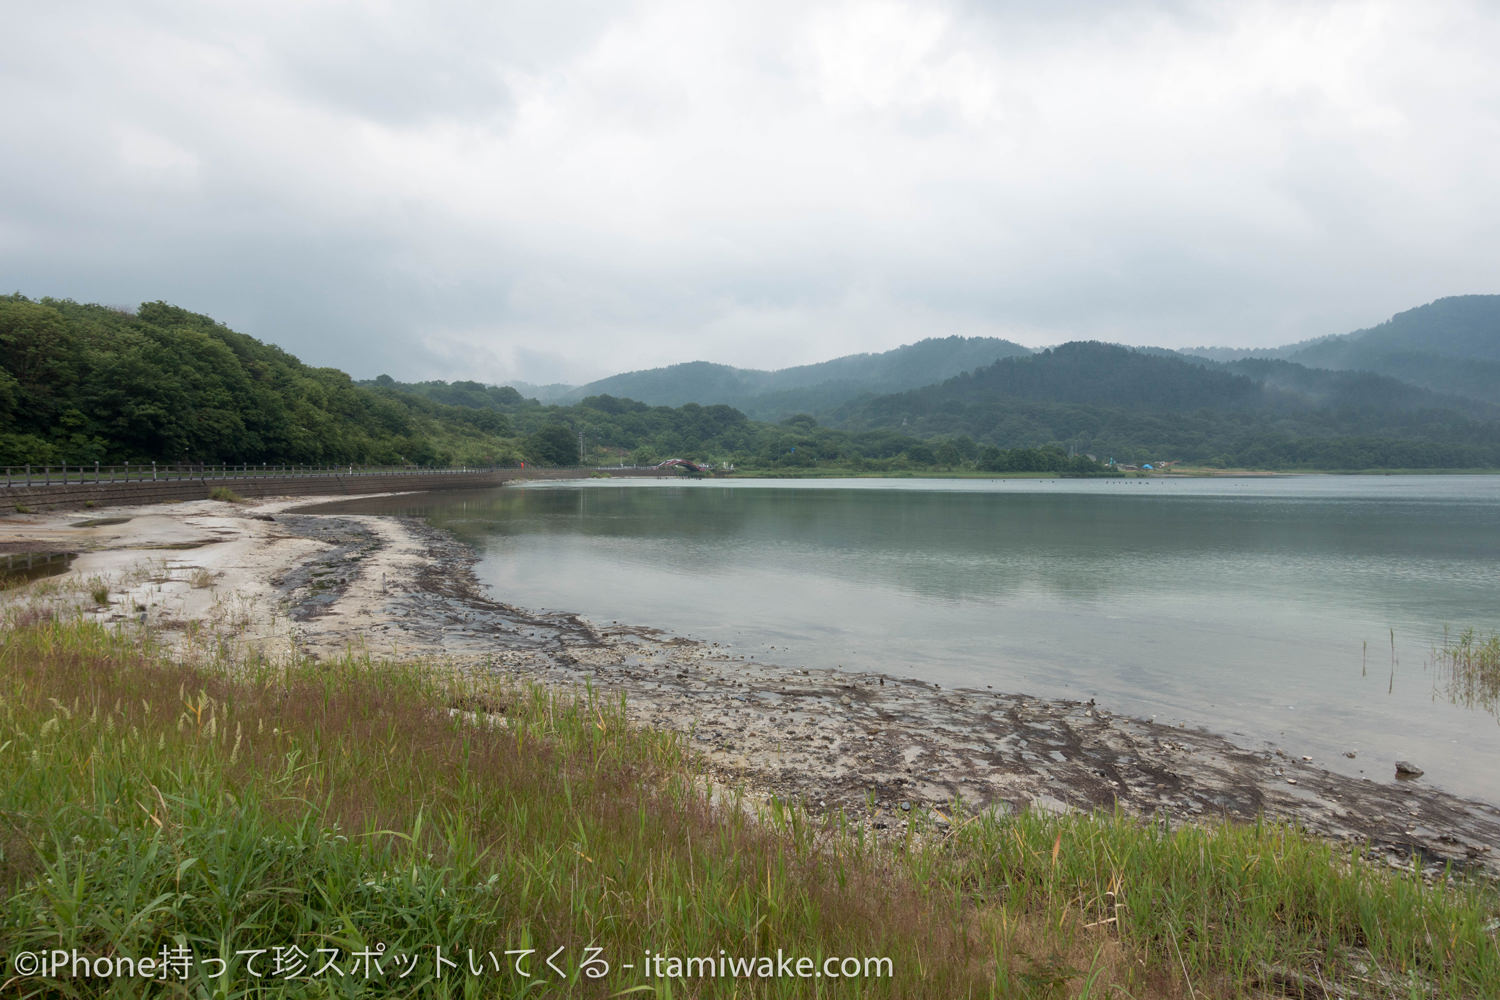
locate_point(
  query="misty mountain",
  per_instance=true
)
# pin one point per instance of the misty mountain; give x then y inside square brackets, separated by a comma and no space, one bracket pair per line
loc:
[552,392]
[1117,401]
[82,383]
[1451,345]
[771,395]
[1228,354]
[1104,375]
[1314,388]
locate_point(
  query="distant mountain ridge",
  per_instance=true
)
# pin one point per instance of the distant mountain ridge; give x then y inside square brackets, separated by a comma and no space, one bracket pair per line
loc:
[83,383]
[771,395]
[1451,345]
[1113,400]
[1089,373]
[1458,327]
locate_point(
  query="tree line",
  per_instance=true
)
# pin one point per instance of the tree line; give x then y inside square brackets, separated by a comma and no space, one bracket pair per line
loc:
[87,383]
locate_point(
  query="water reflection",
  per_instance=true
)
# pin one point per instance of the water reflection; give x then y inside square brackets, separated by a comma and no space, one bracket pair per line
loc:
[1467,672]
[23,567]
[1242,607]
[972,546]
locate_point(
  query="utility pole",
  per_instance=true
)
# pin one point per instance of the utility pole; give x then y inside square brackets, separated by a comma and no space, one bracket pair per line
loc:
[580,446]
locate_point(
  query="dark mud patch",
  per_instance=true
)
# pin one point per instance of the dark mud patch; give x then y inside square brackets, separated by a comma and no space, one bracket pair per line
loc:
[313,587]
[467,618]
[22,567]
[196,543]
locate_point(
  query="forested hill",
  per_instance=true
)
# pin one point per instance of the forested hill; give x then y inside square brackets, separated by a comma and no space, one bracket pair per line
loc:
[1128,404]
[1102,375]
[87,383]
[1462,327]
[776,394]
[1451,345]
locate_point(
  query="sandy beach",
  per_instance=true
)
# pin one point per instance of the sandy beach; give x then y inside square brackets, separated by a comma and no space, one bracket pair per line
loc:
[268,578]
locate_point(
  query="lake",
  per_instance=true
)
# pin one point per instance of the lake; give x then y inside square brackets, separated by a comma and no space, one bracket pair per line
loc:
[1300,611]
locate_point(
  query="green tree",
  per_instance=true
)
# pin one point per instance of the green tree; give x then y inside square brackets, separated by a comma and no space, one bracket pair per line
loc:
[554,444]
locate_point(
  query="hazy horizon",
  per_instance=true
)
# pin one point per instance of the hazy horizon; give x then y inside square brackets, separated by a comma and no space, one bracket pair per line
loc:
[558,192]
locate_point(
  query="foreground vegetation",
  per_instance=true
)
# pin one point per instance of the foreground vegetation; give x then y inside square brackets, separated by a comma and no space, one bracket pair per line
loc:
[378,816]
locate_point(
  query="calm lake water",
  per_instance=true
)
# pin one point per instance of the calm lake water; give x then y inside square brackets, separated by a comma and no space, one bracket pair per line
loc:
[1260,608]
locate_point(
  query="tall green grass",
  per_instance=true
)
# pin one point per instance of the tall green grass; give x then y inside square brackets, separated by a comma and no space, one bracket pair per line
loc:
[1468,670]
[339,808]
[358,804]
[1236,906]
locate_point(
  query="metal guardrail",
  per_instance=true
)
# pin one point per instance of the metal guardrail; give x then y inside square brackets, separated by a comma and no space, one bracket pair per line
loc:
[70,475]
[153,472]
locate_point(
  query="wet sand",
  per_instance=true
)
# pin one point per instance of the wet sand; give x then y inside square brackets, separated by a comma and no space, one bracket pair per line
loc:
[268,578]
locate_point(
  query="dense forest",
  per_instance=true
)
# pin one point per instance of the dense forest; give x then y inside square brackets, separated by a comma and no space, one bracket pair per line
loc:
[87,383]
[1451,345]
[1138,406]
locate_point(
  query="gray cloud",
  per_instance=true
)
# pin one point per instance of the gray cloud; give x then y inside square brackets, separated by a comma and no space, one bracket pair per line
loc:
[559,191]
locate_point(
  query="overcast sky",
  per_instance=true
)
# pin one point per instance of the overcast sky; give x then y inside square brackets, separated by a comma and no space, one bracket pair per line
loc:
[565,189]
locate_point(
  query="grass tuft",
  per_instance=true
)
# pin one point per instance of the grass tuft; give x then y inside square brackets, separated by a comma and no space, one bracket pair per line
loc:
[1468,670]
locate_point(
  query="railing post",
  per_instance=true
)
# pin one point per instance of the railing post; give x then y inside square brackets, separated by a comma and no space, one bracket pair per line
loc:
[153,470]
[96,472]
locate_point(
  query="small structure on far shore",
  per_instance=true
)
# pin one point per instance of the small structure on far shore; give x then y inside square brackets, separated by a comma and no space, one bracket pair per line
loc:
[682,463]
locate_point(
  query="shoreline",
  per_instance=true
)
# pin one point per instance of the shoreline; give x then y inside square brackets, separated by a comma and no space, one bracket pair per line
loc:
[271,577]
